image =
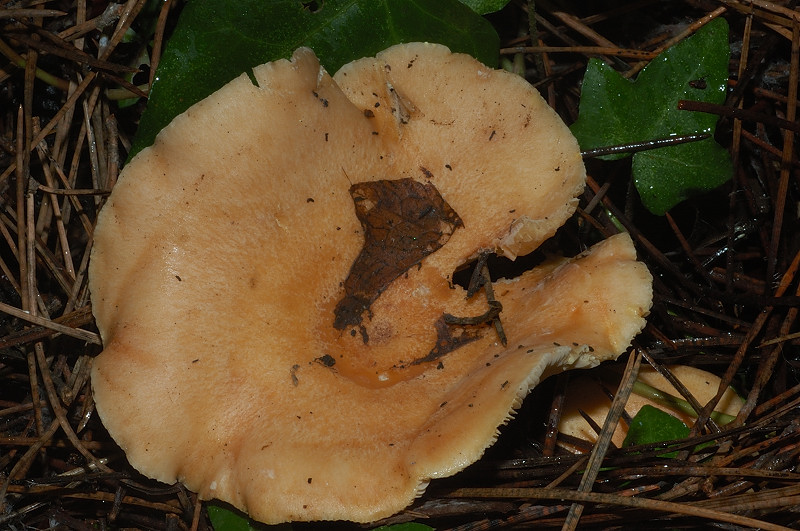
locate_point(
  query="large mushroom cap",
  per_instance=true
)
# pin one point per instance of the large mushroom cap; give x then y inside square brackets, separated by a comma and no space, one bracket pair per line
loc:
[272,282]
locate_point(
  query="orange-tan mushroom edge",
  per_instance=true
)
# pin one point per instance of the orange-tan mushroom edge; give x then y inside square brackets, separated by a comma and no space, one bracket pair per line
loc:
[224,254]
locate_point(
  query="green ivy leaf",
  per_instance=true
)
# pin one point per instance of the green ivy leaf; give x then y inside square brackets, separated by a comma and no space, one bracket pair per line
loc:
[217,40]
[689,169]
[226,520]
[483,7]
[615,110]
[223,519]
[652,425]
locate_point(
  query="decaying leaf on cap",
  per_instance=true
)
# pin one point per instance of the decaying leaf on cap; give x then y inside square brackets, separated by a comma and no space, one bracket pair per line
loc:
[272,281]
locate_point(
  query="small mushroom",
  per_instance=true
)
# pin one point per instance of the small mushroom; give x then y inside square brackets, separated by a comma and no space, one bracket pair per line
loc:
[272,280]
[589,394]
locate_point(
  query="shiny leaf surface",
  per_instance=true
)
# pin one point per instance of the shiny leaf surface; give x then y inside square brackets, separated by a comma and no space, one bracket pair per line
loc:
[615,110]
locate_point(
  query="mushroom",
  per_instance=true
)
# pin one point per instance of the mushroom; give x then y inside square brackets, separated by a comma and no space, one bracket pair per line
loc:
[273,282]
[589,395]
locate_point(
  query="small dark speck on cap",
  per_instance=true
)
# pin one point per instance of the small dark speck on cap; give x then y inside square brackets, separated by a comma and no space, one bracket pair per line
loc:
[326,360]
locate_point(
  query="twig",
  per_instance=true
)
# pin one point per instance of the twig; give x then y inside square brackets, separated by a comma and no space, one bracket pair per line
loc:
[100,22]
[741,114]
[59,411]
[635,147]
[586,50]
[688,509]
[29,13]
[78,333]
[21,62]
[604,440]
[53,121]
[132,8]
[692,28]
[158,40]
[788,151]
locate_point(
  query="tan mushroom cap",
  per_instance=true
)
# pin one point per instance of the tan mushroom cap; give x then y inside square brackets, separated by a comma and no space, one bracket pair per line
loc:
[221,255]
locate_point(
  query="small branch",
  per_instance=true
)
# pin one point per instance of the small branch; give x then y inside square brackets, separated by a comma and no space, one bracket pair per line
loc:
[29,13]
[604,440]
[158,40]
[635,147]
[20,61]
[78,333]
[741,114]
[585,50]
[689,509]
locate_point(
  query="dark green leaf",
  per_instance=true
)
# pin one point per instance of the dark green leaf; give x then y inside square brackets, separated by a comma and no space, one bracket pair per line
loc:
[483,7]
[227,520]
[690,168]
[652,425]
[217,40]
[614,111]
